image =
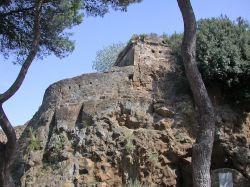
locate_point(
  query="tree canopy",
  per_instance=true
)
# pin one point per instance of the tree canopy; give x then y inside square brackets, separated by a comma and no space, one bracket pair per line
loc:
[101,7]
[58,16]
[16,27]
[223,54]
[223,51]
[106,57]
[224,46]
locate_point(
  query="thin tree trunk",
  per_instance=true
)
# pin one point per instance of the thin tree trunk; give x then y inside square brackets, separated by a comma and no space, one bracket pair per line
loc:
[202,149]
[8,149]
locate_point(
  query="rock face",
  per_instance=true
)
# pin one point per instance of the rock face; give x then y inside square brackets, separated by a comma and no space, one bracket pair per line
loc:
[135,122]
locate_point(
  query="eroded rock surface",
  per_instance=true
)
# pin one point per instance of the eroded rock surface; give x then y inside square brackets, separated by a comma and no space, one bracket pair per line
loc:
[134,122]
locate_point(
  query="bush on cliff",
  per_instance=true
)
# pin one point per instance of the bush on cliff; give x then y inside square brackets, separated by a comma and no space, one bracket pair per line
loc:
[106,57]
[223,54]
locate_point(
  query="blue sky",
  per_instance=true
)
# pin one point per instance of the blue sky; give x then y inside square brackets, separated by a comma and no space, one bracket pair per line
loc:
[150,16]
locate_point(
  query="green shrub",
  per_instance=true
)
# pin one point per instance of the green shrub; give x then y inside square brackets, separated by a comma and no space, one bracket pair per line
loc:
[223,54]
[53,155]
[129,147]
[106,57]
[153,158]
[34,143]
[135,183]
[174,41]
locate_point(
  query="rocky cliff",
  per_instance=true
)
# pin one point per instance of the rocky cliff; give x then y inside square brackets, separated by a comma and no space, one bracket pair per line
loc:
[136,121]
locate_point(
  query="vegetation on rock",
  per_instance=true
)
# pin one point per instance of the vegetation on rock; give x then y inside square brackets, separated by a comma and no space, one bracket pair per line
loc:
[34,143]
[106,57]
[223,54]
[135,183]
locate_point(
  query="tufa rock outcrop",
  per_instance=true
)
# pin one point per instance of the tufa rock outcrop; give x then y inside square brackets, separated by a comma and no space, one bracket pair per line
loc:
[135,122]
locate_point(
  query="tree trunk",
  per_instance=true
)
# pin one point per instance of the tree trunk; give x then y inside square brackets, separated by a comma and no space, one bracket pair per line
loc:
[7,151]
[202,149]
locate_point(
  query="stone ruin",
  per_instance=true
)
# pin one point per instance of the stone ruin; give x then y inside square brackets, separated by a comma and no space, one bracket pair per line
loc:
[137,121]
